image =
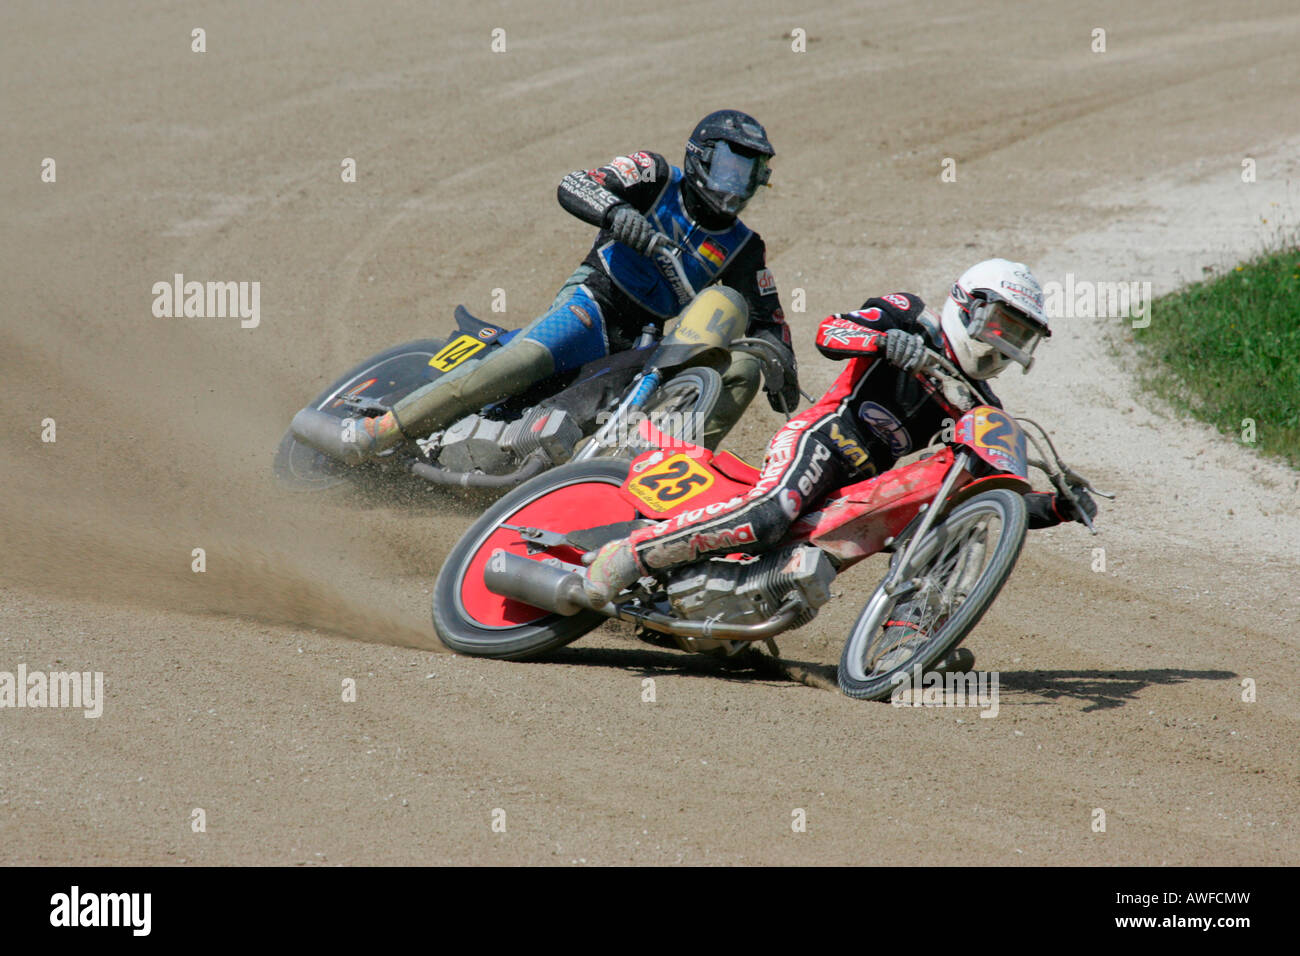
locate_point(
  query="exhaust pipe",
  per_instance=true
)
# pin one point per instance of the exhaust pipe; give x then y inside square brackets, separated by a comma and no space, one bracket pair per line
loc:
[536,584]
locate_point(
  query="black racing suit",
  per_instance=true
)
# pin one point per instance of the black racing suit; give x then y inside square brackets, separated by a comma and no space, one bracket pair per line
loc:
[874,414]
[603,306]
[639,180]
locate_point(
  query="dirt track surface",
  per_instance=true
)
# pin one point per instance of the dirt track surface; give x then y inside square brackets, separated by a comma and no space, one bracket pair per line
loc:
[1120,690]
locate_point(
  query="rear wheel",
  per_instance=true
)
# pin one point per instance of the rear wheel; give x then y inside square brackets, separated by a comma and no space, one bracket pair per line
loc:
[382,379]
[472,620]
[959,568]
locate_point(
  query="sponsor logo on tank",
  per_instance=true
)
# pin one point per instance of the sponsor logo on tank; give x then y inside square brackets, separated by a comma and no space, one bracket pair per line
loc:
[766,282]
[887,427]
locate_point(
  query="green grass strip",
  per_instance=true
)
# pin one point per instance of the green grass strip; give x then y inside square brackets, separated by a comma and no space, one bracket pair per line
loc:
[1227,350]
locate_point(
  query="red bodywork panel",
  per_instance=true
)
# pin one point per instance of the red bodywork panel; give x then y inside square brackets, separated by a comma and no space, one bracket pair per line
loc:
[857,521]
[672,471]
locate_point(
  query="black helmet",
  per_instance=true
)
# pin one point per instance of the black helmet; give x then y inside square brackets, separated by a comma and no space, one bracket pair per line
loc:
[726,160]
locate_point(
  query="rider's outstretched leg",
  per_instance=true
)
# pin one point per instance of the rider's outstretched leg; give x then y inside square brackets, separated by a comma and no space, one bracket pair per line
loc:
[570,334]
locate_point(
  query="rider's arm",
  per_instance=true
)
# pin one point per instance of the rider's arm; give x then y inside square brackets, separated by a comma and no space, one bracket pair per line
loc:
[592,194]
[862,332]
[1042,508]
[749,275]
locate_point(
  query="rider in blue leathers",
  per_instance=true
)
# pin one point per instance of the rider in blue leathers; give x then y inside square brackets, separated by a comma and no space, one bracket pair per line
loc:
[619,288]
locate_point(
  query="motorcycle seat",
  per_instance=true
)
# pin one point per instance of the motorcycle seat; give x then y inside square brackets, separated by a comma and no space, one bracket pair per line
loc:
[471,325]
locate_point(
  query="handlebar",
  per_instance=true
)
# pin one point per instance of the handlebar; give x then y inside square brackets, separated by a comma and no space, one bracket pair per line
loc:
[1065,479]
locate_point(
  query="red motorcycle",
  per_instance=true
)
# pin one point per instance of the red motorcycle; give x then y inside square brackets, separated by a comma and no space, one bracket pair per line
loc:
[953,522]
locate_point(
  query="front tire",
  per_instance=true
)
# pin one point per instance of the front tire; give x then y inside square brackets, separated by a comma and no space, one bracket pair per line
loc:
[679,409]
[960,572]
[471,620]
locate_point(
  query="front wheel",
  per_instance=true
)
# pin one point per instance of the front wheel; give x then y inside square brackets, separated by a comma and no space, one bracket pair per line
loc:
[959,568]
[472,620]
[679,409]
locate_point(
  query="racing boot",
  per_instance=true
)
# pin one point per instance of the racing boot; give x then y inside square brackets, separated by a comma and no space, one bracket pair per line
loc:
[614,568]
[429,408]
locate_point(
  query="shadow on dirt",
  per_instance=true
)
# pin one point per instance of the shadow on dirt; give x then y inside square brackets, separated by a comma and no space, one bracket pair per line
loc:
[1101,690]
[648,661]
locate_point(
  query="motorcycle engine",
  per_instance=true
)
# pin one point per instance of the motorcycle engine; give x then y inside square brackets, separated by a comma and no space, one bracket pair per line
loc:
[750,592]
[494,447]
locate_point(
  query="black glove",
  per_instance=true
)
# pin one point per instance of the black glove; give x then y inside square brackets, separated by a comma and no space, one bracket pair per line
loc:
[786,398]
[904,349]
[1068,512]
[631,228]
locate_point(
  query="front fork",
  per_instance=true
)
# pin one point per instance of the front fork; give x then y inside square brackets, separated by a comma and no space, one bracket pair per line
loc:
[895,584]
[643,386]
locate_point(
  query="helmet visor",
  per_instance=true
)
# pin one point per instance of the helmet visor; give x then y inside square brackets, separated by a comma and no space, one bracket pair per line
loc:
[1006,329]
[734,177]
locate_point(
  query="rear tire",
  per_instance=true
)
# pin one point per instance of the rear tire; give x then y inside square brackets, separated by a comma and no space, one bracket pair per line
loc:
[396,371]
[869,665]
[471,620]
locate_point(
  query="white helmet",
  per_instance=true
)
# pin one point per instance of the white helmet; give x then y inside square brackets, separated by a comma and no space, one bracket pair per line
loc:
[993,316]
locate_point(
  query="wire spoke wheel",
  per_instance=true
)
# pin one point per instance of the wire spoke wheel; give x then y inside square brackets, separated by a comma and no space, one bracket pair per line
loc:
[679,408]
[956,572]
